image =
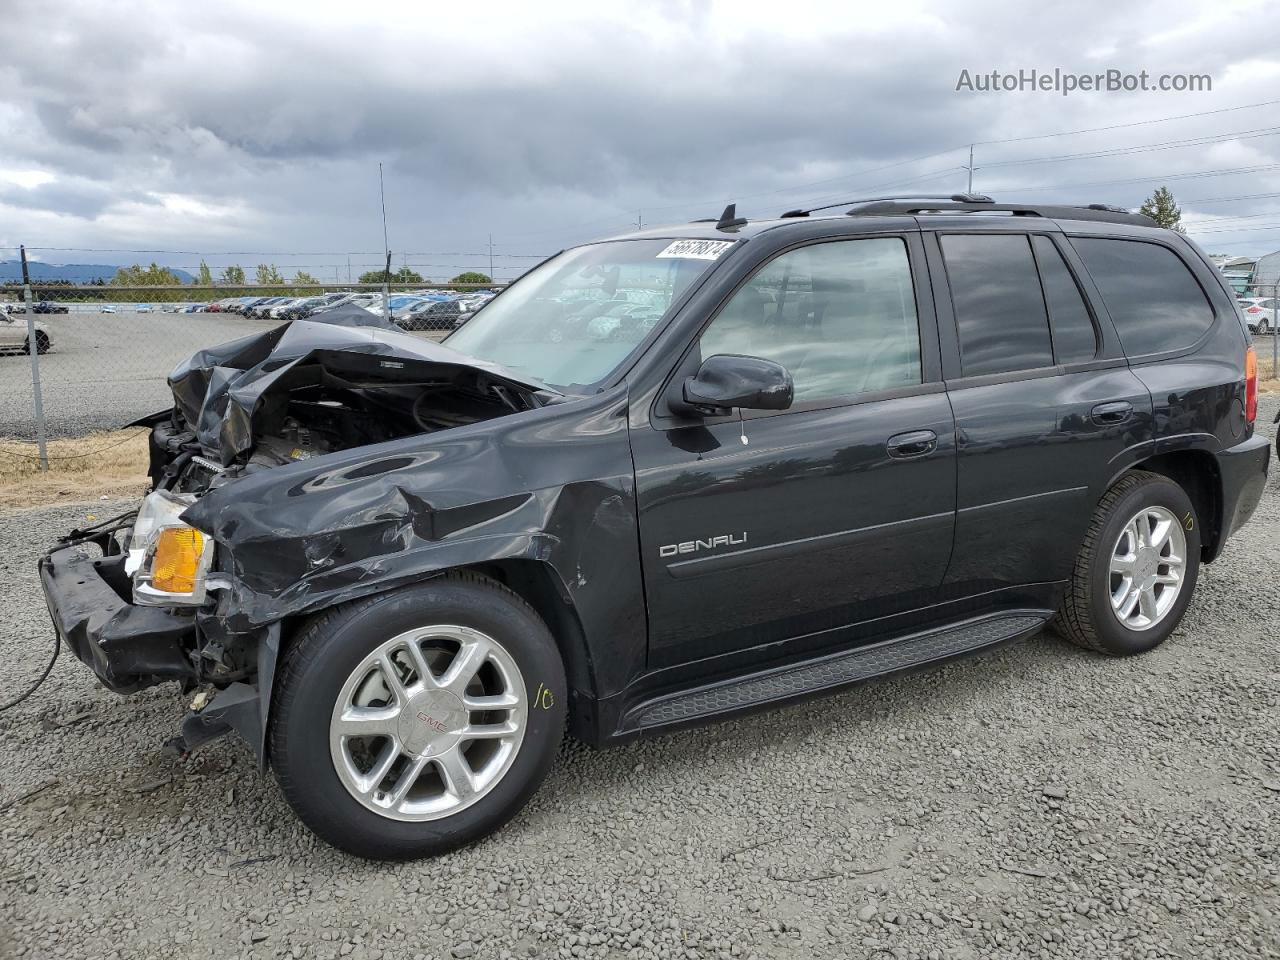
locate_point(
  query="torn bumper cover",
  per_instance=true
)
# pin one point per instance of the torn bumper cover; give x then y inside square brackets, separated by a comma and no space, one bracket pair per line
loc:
[128,647]
[131,647]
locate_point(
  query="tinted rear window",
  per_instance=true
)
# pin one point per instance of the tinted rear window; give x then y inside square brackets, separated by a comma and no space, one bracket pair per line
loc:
[1154,301]
[1000,314]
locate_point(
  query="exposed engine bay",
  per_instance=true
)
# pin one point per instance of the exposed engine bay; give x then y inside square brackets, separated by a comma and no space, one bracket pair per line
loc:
[308,389]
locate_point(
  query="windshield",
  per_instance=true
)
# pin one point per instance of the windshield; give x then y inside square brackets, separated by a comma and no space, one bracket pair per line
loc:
[571,321]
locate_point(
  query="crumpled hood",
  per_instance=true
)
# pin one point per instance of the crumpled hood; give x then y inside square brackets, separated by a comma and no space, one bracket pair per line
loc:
[221,391]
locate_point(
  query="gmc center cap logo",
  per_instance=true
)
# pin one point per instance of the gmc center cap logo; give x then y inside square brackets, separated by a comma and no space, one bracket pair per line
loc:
[431,723]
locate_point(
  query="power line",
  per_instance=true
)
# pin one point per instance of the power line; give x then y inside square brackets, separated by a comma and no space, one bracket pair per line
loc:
[1246,196]
[796,188]
[1142,148]
[1121,126]
[1146,179]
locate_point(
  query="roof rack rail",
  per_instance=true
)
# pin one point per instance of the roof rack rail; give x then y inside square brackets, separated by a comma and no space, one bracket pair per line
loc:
[956,197]
[1094,211]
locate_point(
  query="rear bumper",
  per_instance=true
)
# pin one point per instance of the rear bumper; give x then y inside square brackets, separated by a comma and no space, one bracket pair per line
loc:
[1243,469]
[127,647]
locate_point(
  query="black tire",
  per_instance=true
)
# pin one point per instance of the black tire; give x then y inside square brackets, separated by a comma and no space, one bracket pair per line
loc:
[1086,617]
[43,344]
[328,649]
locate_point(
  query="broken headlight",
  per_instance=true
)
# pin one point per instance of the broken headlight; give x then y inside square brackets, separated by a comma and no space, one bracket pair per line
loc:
[168,560]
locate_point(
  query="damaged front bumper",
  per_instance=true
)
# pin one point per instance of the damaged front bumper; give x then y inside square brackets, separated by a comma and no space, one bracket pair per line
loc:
[131,647]
[128,647]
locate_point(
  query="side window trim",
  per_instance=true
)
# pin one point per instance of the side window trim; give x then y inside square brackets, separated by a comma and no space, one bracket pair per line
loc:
[932,373]
[1084,298]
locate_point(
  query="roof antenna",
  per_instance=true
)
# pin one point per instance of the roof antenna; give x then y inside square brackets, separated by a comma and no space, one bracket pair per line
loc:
[730,219]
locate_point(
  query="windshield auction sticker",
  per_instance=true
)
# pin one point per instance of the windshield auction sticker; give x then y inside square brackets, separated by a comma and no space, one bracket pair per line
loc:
[697,249]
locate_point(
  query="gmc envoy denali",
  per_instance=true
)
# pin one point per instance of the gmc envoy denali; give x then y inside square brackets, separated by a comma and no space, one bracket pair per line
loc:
[666,478]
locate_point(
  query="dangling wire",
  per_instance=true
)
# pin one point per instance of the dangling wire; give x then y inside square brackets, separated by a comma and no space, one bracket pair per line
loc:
[57,646]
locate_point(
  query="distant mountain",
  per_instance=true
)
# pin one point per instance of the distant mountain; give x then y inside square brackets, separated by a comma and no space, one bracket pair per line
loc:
[11,270]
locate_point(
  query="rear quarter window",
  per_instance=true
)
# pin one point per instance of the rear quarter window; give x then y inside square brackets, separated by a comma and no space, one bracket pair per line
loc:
[1154,301]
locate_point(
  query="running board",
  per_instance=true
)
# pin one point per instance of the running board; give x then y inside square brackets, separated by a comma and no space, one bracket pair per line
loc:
[830,672]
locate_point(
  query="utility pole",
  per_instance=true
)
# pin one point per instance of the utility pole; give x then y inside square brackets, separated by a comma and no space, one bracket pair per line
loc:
[491,258]
[970,169]
[386,244]
[33,348]
[640,220]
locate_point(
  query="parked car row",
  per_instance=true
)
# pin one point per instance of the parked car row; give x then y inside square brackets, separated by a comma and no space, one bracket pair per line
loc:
[435,310]
[42,306]
[415,311]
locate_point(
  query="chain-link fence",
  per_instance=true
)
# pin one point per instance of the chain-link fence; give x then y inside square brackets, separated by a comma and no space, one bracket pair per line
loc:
[1260,303]
[103,352]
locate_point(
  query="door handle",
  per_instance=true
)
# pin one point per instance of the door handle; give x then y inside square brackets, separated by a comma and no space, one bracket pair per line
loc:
[915,443]
[1117,411]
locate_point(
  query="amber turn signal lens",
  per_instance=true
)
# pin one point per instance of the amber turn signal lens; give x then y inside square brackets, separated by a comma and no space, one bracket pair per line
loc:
[177,560]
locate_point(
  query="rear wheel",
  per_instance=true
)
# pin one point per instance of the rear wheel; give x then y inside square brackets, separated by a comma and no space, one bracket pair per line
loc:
[1137,570]
[411,723]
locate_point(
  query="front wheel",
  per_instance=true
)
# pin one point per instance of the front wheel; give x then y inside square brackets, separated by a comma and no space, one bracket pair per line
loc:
[1136,572]
[411,723]
[42,343]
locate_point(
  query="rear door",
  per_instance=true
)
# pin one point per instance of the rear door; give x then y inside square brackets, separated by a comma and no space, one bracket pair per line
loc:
[1044,401]
[783,528]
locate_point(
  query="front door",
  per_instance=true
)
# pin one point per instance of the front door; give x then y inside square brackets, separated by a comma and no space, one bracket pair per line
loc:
[786,528]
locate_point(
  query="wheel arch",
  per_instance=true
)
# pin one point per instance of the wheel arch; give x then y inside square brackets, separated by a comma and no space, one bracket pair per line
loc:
[538,584]
[535,582]
[1196,472]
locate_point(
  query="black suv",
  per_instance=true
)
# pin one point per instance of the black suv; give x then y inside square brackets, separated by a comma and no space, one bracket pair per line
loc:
[665,478]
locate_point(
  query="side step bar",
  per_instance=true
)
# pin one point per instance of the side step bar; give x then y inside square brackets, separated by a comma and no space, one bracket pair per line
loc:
[835,670]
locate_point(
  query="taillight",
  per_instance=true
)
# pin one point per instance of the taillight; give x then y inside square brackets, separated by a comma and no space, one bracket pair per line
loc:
[1254,310]
[1250,385]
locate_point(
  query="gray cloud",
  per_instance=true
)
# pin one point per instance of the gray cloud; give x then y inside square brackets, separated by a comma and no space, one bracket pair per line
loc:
[268,128]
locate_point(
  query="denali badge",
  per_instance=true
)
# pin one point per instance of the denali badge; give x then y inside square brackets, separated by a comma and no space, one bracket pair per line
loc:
[693,546]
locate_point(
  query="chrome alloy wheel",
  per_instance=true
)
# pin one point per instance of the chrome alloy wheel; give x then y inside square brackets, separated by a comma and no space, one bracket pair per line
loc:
[1148,564]
[428,723]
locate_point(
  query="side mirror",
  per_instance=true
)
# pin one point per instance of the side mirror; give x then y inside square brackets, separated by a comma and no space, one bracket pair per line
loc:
[725,381]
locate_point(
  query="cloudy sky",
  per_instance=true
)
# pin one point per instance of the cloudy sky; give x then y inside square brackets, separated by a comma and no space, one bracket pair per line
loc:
[248,131]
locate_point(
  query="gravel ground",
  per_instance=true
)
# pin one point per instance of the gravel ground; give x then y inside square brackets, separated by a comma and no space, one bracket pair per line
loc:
[1039,801]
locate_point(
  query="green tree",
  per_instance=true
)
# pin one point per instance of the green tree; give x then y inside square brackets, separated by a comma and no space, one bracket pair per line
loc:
[269,275]
[471,276]
[232,275]
[303,277]
[403,275]
[1161,208]
[205,278]
[139,276]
